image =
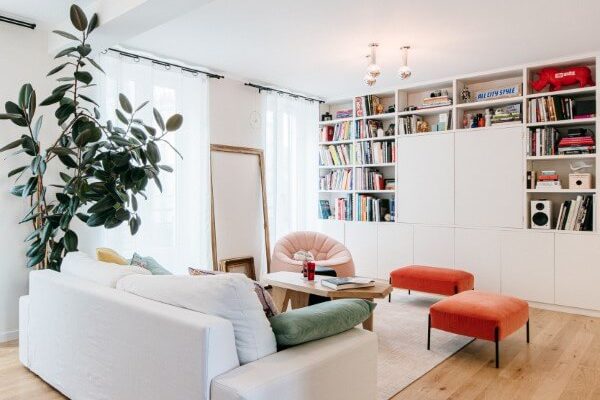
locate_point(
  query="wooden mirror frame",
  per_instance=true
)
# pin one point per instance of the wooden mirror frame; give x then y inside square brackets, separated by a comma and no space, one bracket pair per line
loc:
[261,165]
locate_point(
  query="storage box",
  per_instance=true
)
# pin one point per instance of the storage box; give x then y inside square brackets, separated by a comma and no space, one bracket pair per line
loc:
[580,181]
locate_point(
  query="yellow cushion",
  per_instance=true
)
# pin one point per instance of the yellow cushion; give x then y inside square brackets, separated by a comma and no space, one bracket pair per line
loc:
[105,254]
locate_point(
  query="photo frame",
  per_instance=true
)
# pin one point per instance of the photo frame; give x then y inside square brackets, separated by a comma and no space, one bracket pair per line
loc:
[240,265]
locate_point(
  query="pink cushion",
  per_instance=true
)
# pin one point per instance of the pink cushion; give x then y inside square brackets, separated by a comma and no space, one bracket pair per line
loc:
[327,252]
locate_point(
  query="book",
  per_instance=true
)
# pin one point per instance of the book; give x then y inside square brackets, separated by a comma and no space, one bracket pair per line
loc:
[324,209]
[347,283]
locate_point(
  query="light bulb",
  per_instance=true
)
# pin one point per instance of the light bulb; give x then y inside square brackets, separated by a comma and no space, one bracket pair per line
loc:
[369,80]
[374,70]
[404,72]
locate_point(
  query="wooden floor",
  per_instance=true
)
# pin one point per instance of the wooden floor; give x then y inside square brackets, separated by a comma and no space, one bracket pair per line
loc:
[561,362]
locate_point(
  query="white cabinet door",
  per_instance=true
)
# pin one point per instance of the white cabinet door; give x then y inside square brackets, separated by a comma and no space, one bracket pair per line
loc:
[332,228]
[478,252]
[578,270]
[434,246]
[528,265]
[425,179]
[361,240]
[489,178]
[395,248]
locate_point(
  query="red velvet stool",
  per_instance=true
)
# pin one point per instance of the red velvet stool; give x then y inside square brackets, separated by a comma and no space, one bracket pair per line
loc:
[444,281]
[481,315]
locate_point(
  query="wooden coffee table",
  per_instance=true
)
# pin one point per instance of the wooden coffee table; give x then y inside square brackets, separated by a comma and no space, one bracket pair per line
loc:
[292,287]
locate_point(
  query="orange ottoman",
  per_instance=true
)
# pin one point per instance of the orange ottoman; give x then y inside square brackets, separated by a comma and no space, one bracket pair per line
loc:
[481,315]
[444,281]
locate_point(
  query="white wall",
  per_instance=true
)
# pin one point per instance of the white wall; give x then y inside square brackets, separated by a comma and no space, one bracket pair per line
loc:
[24,59]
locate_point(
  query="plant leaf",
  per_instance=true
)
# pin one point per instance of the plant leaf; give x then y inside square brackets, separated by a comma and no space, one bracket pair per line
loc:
[24,95]
[12,145]
[134,225]
[53,98]
[159,120]
[10,116]
[166,168]
[174,122]
[61,151]
[86,98]
[121,117]
[153,152]
[17,170]
[66,35]
[70,241]
[83,76]
[84,50]
[57,69]
[37,127]
[125,104]
[93,23]
[78,18]
[68,161]
[64,52]
[95,64]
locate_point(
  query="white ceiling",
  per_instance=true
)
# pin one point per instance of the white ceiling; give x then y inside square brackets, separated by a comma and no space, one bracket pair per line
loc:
[318,47]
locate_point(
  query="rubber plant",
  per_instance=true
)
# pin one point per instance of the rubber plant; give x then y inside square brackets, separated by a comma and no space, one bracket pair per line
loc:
[104,168]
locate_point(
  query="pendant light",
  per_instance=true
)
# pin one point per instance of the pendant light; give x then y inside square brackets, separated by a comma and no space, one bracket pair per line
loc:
[373,70]
[404,71]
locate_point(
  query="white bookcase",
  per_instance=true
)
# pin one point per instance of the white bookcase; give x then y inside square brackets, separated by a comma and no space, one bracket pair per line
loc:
[461,196]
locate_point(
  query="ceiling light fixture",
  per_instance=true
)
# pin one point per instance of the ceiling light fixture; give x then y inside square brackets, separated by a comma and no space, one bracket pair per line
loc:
[373,69]
[404,71]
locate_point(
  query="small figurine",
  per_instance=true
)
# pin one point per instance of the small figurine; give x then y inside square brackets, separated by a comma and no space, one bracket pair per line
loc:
[379,109]
[488,117]
[557,78]
[380,132]
[465,95]
[326,117]
[423,126]
[391,109]
[391,130]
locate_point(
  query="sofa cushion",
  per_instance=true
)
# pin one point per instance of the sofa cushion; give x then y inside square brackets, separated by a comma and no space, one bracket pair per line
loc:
[150,264]
[105,254]
[229,296]
[83,266]
[319,321]
[263,295]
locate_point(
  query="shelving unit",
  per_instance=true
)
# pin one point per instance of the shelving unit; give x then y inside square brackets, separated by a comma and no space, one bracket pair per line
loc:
[413,97]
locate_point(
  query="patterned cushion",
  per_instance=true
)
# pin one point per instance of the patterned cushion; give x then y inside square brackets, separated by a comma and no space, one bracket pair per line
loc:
[263,295]
[150,264]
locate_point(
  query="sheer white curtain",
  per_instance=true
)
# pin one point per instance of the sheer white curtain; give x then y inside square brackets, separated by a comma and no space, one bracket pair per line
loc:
[291,134]
[175,226]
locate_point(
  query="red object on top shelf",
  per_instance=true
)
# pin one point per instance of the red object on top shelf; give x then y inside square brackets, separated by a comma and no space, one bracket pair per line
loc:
[557,78]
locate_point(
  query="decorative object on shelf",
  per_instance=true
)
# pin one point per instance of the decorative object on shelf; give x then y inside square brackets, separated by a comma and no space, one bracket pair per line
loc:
[344,113]
[326,117]
[373,70]
[380,132]
[437,98]
[391,130]
[480,121]
[488,117]
[557,78]
[411,108]
[359,106]
[475,121]
[391,108]
[576,215]
[510,113]
[465,95]
[404,71]
[423,126]
[379,108]
[580,180]
[240,265]
[579,165]
[490,94]
[541,214]
[390,184]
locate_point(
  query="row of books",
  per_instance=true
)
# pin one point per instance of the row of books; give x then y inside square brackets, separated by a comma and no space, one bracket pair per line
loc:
[576,215]
[343,113]
[336,154]
[341,131]
[550,141]
[543,142]
[439,101]
[366,105]
[339,179]
[375,152]
[369,208]
[413,124]
[341,210]
[551,108]
[373,129]
[369,179]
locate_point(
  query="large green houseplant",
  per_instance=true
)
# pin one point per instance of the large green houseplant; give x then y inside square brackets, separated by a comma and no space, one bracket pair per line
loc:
[104,167]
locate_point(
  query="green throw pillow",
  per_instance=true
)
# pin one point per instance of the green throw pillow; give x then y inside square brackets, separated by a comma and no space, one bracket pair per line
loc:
[150,264]
[319,321]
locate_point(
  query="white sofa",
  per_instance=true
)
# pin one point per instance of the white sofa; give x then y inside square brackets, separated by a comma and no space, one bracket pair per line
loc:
[94,342]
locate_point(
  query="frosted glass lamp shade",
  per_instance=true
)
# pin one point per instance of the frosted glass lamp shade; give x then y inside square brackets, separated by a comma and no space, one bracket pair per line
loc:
[374,70]
[369,80]
[404,72]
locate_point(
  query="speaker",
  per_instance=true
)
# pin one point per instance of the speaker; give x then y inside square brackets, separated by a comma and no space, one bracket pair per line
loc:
[541,214]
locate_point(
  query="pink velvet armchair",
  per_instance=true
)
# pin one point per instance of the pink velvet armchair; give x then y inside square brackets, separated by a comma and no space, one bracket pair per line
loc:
[326,251]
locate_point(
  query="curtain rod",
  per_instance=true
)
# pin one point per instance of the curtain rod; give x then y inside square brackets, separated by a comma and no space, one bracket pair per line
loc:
[17,22]
[164,63]
[298,96]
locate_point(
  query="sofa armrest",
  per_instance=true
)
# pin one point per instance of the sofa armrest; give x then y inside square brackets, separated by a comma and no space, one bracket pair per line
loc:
[343,366]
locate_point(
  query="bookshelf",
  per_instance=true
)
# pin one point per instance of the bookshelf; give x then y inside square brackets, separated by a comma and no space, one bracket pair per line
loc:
[453,121]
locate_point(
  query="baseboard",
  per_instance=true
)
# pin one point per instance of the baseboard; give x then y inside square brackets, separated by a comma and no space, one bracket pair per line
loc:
[565,309]
[8,336]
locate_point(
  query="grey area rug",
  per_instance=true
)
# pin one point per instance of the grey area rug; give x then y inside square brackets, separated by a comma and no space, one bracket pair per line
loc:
[401,327]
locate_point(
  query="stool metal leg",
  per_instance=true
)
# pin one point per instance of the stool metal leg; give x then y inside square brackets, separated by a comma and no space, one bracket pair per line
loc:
[429,332]
[390,295]
[409,292]
[527,331]
[497,340]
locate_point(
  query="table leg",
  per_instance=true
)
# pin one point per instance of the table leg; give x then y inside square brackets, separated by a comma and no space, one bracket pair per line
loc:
[280,298]
[368,323]
[299,299]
